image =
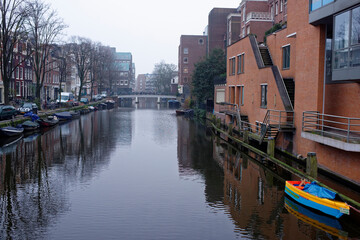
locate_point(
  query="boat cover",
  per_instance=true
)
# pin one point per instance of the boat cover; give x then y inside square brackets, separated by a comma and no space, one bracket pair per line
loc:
[33,116]
[314,189]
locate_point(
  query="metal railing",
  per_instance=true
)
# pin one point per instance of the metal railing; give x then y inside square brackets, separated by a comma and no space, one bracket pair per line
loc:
[258,16]
[279,118]
[338,127]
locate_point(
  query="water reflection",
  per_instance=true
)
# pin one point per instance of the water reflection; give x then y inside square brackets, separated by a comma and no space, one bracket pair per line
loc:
[143,174]
[250,189]
[38,170]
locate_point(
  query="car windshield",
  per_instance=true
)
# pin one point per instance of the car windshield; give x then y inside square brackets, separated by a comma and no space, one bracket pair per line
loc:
[27,105]
[64,97]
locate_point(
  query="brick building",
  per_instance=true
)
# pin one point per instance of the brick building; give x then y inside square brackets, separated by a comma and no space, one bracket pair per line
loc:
[302,87]
[123,72]
[192,49]
[216,29]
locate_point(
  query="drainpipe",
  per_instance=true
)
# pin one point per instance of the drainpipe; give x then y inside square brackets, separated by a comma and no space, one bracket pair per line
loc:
[324,92]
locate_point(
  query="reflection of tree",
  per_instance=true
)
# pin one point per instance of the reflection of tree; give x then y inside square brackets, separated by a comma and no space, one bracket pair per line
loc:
[195,156]
[34,179]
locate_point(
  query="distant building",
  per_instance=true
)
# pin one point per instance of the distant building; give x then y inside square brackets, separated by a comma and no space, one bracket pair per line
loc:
[140,83]
[192,49]
[132,82]
[123,72]
[216,29]
[174,85]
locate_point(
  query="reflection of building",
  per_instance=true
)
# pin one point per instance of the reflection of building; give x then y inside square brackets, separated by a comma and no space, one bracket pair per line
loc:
[292,78]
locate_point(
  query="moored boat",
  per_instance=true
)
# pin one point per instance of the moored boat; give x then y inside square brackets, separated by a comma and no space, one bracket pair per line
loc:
[180,112]
[314,196]
[63,116]
[74,114]
[30,125]
[11,131]
[48,122]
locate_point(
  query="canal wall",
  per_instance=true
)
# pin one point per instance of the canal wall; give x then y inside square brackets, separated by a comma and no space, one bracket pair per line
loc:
[227,133]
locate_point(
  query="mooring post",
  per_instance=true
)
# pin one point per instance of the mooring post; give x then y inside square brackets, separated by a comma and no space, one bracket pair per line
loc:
[311,165]
[136,99]
[271,147]
[158,100]
[246,135]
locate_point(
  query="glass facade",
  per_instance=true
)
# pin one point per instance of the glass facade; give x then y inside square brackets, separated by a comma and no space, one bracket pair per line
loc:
[347,39]
[316,4]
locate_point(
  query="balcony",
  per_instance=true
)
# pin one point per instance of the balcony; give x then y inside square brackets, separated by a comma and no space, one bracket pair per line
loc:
[259,16]
[335,131]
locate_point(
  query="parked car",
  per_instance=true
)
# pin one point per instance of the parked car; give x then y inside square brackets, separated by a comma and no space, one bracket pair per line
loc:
[84,100]
[28,107]
[75,103]
[7,111]
[97,97]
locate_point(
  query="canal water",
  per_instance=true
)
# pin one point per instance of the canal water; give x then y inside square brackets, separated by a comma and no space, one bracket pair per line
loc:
[146,174]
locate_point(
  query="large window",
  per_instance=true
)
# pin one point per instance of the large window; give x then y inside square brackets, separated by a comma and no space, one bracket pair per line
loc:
[220,95]
[286,57]
[241,95]
[240,63]
[347,39]
[263,96]
[232,66]
[316,4]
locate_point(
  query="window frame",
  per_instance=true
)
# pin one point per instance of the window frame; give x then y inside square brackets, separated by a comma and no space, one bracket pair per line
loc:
[286,64]
[240,63]
[263,95]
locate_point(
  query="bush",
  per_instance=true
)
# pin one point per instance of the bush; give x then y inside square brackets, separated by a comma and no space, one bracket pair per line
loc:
[200,113]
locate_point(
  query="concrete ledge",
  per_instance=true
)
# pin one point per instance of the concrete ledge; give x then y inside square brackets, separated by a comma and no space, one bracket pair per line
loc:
[350,147]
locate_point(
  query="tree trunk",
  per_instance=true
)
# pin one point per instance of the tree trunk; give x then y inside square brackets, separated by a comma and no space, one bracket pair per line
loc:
[6,91]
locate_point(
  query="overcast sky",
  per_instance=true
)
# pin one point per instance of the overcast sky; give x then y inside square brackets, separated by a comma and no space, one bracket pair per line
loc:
[150,30]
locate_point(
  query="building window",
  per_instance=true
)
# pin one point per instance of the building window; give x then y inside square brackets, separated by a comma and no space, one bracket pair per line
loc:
[276,8]
[240,63]
[18,89]
[185,60]
[241,95]
[185,80]
[220,95]
[243,32]
[186,70]
[232,66]
[186,50]
[281,5]
[243,14]
[286,57]
[21,73]
[201,41]
[263,96]
[248,30]
[347,39]
[316,4]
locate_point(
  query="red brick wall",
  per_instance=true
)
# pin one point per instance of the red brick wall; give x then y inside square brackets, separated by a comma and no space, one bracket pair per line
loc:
[217,27]
[196,52]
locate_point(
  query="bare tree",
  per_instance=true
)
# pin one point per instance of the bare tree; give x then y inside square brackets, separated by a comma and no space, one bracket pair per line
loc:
[61,55]
[44,27]
[95,66]
[163,73]
[13,13]
[80,52]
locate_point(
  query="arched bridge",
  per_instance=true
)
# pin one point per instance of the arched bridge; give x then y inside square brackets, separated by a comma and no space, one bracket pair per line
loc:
[137,96]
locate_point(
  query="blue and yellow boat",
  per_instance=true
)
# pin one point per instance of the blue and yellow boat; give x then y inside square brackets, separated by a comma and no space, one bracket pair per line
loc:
[314,196]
